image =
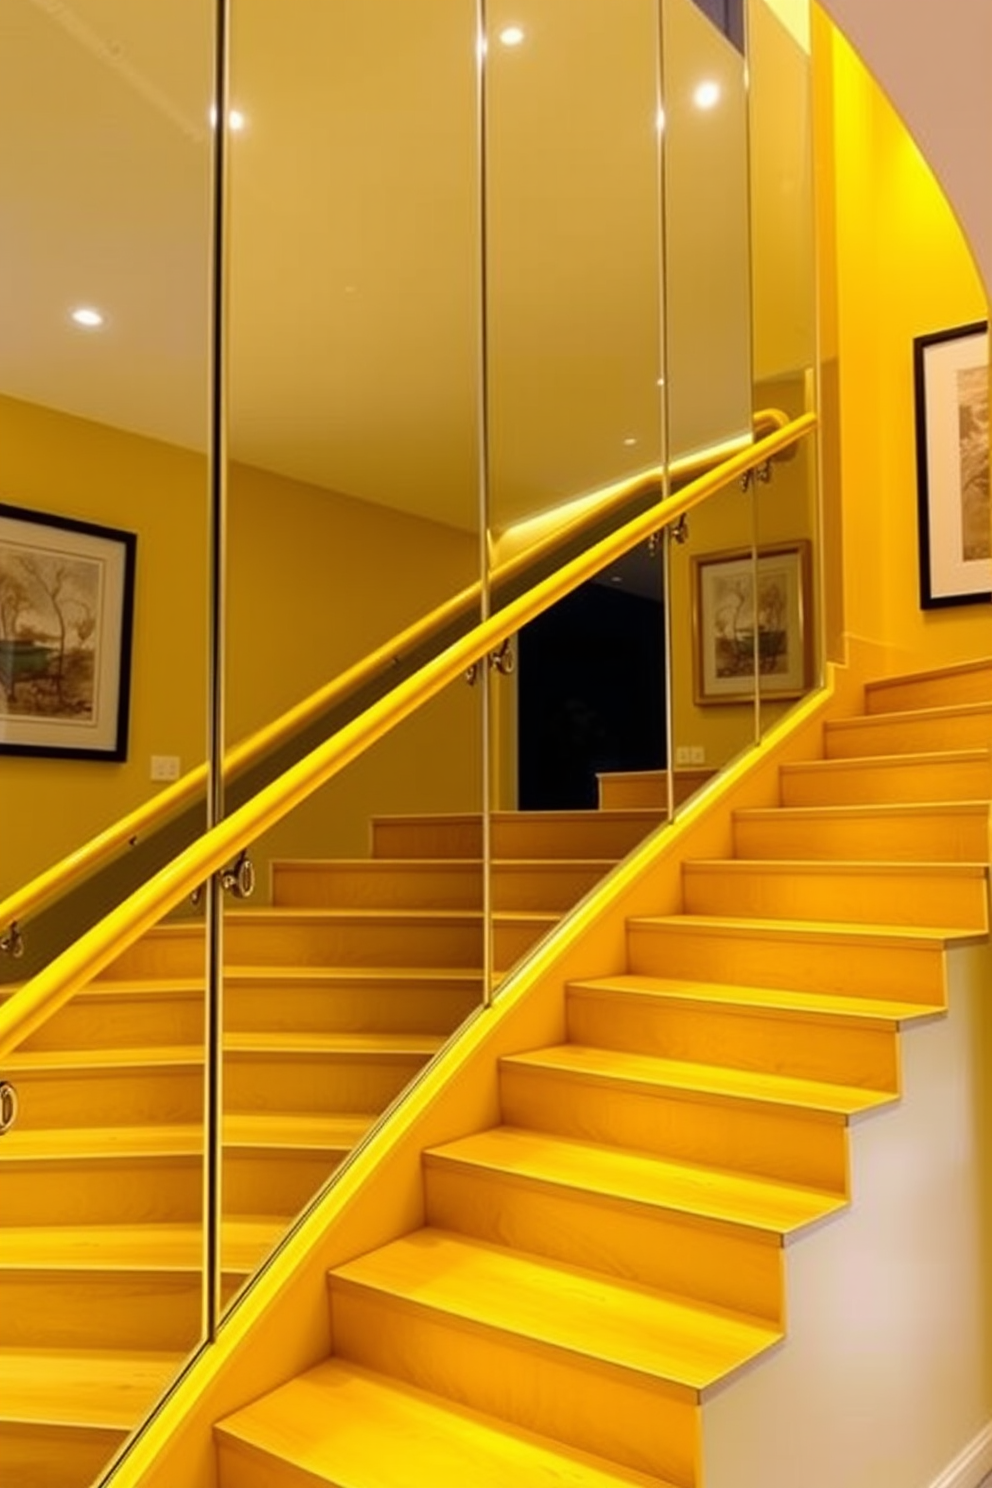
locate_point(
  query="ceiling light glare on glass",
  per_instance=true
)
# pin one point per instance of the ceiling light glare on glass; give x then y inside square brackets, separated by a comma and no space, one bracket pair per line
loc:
[511,36]
[707,95]
[235,119]
[88,317]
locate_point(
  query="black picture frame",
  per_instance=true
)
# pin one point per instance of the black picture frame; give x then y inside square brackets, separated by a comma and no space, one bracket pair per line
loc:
[66,631]
[950,372]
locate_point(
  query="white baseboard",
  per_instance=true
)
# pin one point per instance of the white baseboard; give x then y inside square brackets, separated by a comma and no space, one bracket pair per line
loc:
[971,1465]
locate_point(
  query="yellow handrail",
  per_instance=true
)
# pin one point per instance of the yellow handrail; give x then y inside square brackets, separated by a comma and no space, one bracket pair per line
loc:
[45,993]
[99,849]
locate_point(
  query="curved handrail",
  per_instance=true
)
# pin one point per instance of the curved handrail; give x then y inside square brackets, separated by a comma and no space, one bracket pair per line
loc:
[85,859]
[39,998]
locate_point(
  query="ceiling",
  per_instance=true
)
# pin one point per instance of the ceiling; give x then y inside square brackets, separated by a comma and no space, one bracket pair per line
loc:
[355,242]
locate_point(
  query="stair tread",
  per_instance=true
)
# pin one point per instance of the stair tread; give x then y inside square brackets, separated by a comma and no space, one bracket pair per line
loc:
[677,1076]
[820,1005]
[584,814]
[946,711]
[617,1323]
[441,865]
[417,976]
[136,1247]
[812,930]
[113,1143]
[612,1173]
[164,1056]
[891,761]
[305,1043]
[862,810]
[858,867]
[94,1387]
[345,1425]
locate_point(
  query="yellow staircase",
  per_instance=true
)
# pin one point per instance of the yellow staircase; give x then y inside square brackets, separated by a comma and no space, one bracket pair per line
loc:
[592,1269]
[334,997]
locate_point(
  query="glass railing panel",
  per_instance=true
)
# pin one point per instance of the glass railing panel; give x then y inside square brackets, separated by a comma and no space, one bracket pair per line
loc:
[573,260]
[707,269]
[785,350]
[104,418]
[105,199]
[711,583]
[359,953]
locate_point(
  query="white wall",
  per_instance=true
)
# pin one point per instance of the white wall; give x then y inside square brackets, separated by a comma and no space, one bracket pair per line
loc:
[935,63]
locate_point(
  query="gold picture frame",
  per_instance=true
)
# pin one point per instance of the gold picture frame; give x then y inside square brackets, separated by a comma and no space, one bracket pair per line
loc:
[724,623]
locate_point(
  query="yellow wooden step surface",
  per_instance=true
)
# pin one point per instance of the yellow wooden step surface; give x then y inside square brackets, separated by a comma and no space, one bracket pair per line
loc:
[918,832]
[813,1007]
[599,1173]
[589,1316]
[244,1242]
[964,726]
[342,1425]
[534,883]
[963,682]
[954,775]
[715,1084]
[282,1131]
[515,834]
[92,1387]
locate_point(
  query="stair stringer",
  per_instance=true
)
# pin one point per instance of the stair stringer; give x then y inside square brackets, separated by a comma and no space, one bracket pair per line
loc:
[885,1374]
[282,1326]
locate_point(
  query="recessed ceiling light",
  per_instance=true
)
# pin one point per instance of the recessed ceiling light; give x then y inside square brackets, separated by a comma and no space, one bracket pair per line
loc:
[511,35]
[87,316]
[707,95]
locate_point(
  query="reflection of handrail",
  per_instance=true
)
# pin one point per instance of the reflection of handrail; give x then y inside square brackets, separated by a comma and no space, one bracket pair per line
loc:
[85,859]
[39,998]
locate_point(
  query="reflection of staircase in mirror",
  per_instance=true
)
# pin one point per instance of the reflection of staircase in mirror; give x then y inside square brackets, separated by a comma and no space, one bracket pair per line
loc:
[335,997]
[592,1269]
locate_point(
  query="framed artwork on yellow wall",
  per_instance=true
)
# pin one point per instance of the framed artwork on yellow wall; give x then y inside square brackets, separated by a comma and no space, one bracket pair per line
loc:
[726,618]
[951,370]
[66,603]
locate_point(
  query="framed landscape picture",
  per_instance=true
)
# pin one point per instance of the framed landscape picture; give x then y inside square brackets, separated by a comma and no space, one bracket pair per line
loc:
[952,462]
[726,615]
[66,601]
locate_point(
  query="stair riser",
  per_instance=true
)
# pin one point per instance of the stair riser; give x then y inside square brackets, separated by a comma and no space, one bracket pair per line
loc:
[377,886]
[362,1007]
[238,1468]
[526,836]
[512,941]
[890,784]
[276,1184]
[33,1456]
[951,838]
[129,1023]
[124,1191]
[839,1054]
[137,1097]
[856,968]
[319,1084]
[179,952]
[906,735]
[648,789]
[950,690]
[596,1408]
[854,897]
[774,1143]
[708,1262]
[93,1310]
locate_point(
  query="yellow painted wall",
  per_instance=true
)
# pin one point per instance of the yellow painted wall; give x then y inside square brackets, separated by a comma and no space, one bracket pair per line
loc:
[903,269]
[315,579]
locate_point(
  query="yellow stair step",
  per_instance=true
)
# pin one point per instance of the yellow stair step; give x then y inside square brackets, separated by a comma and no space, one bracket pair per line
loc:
[949,894]
[915,731]
[712,1084]
[813,1007]
[961,682]
[915,832]
[515,834]
[776,1210]
[951,775]
[92,1387]
[342,1425]
[357,1046]
[282,1131]
[175,1246]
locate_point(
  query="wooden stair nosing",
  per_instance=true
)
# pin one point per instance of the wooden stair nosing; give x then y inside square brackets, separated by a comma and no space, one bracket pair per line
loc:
[945,713]
[821,932]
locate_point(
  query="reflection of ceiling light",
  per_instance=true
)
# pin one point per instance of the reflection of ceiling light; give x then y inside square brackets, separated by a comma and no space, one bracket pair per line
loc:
[235,119]
[511,36]
[630,442]
[85,316]
[707,95]
[660,121]
[615,579]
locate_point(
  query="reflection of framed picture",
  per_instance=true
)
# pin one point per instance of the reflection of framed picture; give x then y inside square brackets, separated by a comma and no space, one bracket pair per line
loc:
[66,597]
[952,465]
[725,615]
